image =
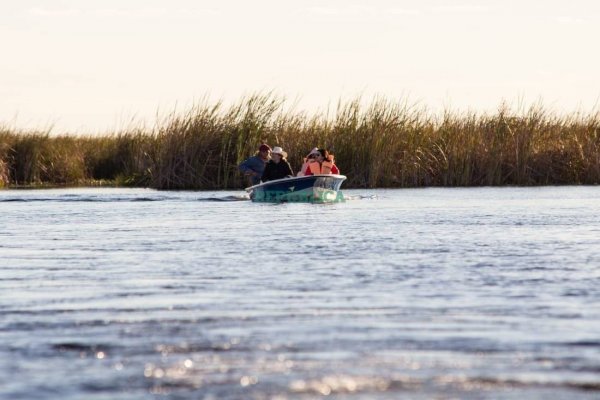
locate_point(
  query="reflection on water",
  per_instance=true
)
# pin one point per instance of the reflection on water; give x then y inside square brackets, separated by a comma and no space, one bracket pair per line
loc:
[446,293]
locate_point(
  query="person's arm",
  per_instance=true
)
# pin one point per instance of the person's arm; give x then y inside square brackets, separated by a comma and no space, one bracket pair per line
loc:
[302,171]
[245,167]
[335,170]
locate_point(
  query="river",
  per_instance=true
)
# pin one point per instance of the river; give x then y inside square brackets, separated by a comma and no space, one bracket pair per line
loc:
[471,293]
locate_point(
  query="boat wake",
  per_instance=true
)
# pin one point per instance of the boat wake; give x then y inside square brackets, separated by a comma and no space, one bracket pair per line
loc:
[361,197]
[82,199]
[145,198]
[119,199]
[243,197]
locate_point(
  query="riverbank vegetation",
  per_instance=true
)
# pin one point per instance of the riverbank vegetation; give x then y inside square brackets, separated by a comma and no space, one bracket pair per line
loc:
[382,144]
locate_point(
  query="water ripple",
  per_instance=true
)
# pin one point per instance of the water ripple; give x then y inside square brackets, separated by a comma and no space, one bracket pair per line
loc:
[465,293]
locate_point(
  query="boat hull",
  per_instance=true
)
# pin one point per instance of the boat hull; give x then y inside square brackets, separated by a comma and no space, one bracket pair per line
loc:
[302,189]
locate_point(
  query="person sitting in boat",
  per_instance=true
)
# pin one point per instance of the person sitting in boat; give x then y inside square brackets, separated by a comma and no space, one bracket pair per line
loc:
[321,163]
[278,167]
[313,153]
[254,166]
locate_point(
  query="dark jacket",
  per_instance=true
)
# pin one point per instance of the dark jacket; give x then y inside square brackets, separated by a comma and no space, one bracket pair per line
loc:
[276,171]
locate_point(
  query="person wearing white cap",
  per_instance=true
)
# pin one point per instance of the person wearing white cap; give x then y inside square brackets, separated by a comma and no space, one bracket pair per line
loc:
[309,157]
[278,167]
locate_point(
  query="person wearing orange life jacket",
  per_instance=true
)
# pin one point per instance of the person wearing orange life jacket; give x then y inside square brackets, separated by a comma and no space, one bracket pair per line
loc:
[322,163]
[307,160]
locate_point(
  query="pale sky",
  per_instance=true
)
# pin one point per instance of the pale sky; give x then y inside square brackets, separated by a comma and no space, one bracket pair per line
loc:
[91,65]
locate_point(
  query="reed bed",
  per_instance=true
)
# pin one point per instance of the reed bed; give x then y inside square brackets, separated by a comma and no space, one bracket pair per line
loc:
[381,144]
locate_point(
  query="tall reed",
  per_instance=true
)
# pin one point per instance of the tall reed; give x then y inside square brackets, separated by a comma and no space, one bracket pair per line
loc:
[381,144]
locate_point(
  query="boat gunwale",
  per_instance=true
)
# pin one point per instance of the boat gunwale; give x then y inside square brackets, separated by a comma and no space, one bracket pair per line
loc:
[251,188]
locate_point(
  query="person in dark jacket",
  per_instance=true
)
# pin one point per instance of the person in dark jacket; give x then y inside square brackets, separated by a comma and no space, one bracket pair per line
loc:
[278,167]
[253,167]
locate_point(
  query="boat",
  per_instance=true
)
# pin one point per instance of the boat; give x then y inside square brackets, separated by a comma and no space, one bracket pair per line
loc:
[324,188]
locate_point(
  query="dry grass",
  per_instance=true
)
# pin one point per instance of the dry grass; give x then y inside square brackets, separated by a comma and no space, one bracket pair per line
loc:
[384,144]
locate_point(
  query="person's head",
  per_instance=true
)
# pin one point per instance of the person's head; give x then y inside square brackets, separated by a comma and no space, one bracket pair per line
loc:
[264,151]
[312,156]
[322,155]
[278,154]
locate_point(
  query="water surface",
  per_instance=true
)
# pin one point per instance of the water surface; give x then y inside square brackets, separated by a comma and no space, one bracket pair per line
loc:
[447,293]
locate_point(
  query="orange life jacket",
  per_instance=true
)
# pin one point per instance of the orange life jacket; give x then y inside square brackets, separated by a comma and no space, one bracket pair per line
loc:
[318,169]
